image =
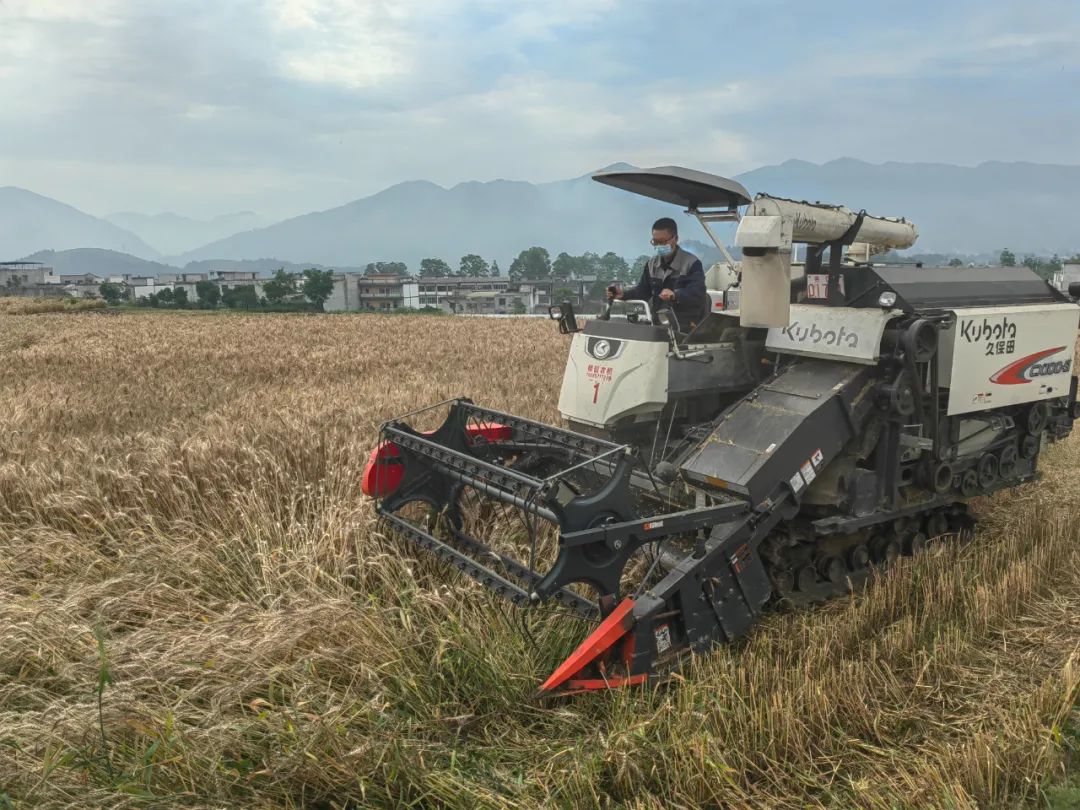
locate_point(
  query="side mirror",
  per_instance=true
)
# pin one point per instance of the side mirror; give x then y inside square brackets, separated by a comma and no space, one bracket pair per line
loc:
[564,314]
[1074,290]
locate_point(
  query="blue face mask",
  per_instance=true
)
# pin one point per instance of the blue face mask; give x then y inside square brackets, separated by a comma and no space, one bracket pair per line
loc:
[663,250]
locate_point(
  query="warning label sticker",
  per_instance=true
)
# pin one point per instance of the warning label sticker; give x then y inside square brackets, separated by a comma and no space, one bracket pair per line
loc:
[797,482]
[817,458]
[807,470]
[663,638]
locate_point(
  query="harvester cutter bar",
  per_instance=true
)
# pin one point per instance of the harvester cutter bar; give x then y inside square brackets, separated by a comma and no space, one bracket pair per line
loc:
[575,602]
[485,576]
[490,579]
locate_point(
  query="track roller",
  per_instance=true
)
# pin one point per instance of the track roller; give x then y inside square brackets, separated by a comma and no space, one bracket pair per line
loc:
[886,548]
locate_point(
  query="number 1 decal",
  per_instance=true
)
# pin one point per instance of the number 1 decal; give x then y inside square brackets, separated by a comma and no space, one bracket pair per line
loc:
[595,392]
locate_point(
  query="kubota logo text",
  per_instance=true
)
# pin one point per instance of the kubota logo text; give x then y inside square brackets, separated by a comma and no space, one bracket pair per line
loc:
[975,332]
[1029,368]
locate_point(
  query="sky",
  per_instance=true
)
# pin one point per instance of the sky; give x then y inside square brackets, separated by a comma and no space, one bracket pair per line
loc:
[203,107]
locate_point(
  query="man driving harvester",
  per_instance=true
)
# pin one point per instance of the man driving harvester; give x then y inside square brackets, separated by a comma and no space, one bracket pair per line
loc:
[673,278]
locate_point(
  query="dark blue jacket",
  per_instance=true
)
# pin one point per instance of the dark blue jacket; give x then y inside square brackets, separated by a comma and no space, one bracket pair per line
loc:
[681,272]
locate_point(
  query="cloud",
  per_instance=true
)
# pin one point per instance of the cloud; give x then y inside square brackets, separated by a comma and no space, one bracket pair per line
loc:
[65,10]
[364,44]
[355,45]
[291,105]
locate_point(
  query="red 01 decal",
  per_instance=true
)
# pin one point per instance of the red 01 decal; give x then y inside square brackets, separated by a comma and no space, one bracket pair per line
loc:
[595,392]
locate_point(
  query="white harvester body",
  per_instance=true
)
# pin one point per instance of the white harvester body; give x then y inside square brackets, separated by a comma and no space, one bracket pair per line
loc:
[608,380]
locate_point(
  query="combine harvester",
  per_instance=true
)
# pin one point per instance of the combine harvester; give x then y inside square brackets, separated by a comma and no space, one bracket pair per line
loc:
[777,452]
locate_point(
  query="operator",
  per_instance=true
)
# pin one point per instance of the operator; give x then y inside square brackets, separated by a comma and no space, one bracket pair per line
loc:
[672,278]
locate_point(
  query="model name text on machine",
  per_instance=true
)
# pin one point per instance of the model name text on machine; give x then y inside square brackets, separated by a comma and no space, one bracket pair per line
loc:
[1026,369]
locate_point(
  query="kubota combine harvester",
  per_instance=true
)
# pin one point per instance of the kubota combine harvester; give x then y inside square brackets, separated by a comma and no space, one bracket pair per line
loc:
[777,451]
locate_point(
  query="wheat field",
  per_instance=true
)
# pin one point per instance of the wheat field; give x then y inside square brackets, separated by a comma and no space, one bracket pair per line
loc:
[198,609]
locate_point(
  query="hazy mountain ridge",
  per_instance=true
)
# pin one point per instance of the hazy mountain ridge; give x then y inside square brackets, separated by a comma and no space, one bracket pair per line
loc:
[30,222]
[1027,207]
[99,261]
[497,219]
[171,234]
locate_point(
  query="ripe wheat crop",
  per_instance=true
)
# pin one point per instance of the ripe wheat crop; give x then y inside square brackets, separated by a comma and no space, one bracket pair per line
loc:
[198,609]
[36,306]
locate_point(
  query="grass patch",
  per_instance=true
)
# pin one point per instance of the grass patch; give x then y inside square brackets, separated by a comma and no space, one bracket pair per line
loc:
[38,306]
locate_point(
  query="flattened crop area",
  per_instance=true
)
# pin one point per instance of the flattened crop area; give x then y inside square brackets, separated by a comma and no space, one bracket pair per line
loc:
[197,607]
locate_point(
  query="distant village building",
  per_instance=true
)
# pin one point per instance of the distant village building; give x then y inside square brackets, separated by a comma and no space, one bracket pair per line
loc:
[80,278]
[444,291]
[461,295]
[231,278]
[29,280]
[26,274]
[493,302]
[379,291]
[352,292]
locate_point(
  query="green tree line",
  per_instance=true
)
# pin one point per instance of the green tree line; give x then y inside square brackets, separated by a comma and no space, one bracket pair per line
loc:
[1043,267]
[308,290]
[532,264]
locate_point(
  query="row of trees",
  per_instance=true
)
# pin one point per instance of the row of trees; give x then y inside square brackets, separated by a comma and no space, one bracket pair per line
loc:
[314,285]
[531,264]
[309,289]
[1044,267]
[535,263]
[470,265]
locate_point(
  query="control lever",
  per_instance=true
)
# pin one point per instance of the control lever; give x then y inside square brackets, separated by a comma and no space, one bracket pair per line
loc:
[668,320]
[605,309]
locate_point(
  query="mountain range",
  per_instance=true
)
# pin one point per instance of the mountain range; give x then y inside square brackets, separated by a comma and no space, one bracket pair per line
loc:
[1027,207]
[99,261]
[172,234]
[30,222]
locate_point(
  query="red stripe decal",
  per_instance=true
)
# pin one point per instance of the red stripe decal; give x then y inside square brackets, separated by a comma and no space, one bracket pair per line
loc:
[1013,374]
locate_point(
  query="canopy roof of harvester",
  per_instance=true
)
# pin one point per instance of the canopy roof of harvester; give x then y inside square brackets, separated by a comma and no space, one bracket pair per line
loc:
[673,184]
